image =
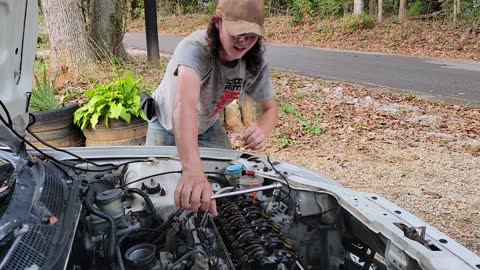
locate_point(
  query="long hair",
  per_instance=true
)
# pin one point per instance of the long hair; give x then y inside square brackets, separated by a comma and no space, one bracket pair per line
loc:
[253,57]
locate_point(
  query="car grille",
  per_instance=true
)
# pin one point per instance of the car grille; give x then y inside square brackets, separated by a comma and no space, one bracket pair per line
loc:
[33,248]
[53,192]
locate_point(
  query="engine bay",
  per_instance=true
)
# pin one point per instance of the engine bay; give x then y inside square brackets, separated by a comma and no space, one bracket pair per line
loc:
[119,214]
[251,230]
[276,228]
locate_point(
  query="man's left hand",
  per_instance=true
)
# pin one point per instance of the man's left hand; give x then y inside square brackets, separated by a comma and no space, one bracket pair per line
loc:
[253,137]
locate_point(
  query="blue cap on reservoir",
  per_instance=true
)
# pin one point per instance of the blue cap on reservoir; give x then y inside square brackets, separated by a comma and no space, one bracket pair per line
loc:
[234,169]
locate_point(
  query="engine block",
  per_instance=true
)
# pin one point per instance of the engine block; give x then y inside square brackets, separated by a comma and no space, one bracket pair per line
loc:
[252,238]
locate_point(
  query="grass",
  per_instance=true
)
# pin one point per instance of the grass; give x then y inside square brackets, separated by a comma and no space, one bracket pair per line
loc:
[287,107]
[313,128]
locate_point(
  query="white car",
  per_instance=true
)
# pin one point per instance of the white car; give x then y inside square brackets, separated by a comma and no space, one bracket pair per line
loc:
[112,207]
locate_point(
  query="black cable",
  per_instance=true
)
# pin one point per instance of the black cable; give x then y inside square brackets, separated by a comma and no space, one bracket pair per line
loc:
[151,209]
[77,156]
[10,127]
[281,175]
[110,252]
[160,174]
[146,177]
[186,256]
[7,114]
[166,224]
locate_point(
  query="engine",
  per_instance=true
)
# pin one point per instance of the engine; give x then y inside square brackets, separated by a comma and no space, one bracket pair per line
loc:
[130,222]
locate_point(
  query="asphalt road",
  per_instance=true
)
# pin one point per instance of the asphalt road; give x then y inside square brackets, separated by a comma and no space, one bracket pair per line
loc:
[430,77]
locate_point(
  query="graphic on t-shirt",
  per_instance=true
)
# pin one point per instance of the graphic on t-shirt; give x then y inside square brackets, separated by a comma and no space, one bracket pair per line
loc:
[231,92]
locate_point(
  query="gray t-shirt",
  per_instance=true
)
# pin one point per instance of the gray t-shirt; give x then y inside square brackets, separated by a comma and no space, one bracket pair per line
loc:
[220,85]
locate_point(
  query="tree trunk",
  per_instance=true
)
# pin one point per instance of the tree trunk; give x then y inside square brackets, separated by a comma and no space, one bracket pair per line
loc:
[372,8]
[357,7]
[380,11]
[249,110]
[456,10]
[401,11]
[107,27]
[70,50]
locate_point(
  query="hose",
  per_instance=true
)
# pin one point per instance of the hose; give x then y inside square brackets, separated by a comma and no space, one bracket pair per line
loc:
[111,225]
[167,223]
[150,208]
[186,256]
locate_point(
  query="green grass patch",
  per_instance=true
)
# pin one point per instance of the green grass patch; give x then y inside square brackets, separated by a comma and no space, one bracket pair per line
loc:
[288,107]
[313,128]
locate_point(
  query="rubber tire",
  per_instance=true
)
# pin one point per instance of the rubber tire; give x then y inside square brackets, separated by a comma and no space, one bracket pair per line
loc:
[54,119]
[127,142]
[118,130]
[70,136]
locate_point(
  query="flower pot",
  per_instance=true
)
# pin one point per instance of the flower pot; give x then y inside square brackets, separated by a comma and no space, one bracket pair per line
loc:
[118,132]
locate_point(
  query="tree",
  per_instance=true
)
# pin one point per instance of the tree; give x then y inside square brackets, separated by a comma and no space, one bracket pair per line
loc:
[70,51]
[401,10]
[357,7]
[380,11]
[372,8]
[456,10]
[107,25]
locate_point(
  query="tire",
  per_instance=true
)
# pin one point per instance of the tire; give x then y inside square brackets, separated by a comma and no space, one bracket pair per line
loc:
[127,142]
[70,136]
[118,130]
[54,119]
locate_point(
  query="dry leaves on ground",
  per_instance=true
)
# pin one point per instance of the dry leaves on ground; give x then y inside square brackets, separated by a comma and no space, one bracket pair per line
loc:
[422,155]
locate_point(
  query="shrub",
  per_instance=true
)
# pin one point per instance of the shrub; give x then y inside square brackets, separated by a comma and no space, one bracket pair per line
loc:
[43,95]
[352,23]
[302,10]
[118,99]
[416,8]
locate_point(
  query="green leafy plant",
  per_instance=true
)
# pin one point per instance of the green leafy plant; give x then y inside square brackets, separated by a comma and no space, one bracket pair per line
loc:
[118,99]
[285,141]
[288,107]
[352,23]
[313,128]
[43,95]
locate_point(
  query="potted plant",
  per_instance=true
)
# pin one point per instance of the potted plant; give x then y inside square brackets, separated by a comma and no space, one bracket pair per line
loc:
[51,118]
[116,105]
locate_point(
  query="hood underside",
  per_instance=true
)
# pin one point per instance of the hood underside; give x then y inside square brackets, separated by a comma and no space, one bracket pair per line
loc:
[18,31]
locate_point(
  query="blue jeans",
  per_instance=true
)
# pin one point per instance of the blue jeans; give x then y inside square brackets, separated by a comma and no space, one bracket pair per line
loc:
[214,137]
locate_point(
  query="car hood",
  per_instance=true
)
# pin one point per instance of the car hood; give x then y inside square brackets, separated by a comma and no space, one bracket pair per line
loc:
[18,31]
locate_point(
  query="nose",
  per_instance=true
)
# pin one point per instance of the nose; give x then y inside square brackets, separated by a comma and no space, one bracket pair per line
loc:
[244,39]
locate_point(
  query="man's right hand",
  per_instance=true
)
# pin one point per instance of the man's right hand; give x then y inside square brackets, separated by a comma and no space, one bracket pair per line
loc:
[194,192]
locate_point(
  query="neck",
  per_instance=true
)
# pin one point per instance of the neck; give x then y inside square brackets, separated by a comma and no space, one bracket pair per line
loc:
[226,60]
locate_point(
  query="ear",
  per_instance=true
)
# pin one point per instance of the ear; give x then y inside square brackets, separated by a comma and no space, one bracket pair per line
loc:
[217,21]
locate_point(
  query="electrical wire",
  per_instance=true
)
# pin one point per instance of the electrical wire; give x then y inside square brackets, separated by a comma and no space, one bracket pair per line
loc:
[281,175]
[77,156]
[9,125]
[160,174]
[146,177]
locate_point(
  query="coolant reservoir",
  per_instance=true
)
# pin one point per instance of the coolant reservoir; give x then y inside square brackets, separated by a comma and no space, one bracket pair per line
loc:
[250,180]
[163,199]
